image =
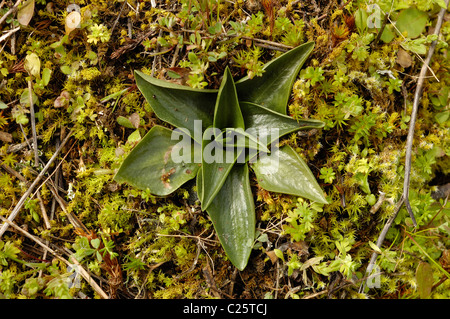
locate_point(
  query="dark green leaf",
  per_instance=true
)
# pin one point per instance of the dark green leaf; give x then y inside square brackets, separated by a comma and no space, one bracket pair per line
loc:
[273,88]
[361,20]
[217,163]
[442,117]
[215,29]
[233,215]
[227,111]
[413,21]
[177,104]
[388,34]
[46,74]
[122,120]
[284,171]
[261,120]
[150,164]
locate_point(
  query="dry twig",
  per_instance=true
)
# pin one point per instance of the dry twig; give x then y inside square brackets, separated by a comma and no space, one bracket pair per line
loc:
[417,96]
[9,33]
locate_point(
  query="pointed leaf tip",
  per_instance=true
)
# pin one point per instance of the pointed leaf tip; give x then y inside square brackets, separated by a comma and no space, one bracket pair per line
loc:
[227,111]
[232,212]
[273,88]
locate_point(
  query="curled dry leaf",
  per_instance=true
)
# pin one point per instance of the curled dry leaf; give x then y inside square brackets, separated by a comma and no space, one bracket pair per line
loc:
[135,120]
[445,260]
[73,21]
[273,257]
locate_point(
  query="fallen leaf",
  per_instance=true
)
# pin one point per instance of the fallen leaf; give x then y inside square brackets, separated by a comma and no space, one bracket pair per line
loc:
[404,59]
[5,137]
[62,100]
[424,278]
[26,12]
[135,120]
[272,256]
[301,247]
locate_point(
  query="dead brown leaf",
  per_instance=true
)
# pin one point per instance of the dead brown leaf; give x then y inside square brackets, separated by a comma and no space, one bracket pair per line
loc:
[404,59]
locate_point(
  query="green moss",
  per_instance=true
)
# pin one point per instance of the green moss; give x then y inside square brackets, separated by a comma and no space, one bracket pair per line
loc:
[113,217]
[90,74]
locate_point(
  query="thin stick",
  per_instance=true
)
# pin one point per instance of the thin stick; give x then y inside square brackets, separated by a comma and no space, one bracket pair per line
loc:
[88,278]
[43,211]
[417,96]
[417,55]
[24,197]
[380,32]
[157,50]
[380,241]
[8,34]
[175,56]
[33,123]
[404,197]
[269,43]
[34,238]
[118,16]
[13,172]
[17,147]
[73,219]
[24,180]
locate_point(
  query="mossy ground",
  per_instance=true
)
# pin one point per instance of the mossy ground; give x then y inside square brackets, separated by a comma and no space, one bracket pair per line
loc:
[136,245]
